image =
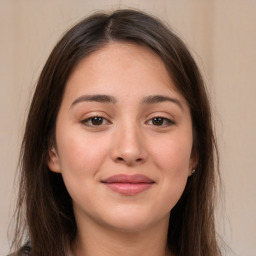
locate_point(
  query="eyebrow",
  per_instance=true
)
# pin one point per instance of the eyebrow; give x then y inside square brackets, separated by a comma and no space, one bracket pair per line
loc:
[102,98]
[154,99]
[96,98]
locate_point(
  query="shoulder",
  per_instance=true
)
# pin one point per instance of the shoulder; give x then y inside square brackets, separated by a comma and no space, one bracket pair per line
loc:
[20,253]
[14,254]
[23,251]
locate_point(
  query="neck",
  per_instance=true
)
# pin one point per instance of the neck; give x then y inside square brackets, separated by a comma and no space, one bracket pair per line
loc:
[97,240]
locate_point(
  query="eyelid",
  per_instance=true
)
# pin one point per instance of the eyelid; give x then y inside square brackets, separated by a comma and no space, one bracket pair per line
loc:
[95,113]
[90,118]
[85,121]
[170,121]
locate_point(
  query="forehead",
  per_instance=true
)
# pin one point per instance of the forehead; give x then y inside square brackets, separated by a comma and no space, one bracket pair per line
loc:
[118,67]
[122,52]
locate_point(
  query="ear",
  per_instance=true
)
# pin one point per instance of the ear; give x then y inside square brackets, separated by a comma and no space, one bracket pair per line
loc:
[53,160]
[193,163]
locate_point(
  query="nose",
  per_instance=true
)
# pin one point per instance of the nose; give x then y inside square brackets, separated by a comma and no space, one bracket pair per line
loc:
[128,146]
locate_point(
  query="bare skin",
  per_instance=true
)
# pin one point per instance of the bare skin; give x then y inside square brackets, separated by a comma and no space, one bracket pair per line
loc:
[122,115]
[98,241]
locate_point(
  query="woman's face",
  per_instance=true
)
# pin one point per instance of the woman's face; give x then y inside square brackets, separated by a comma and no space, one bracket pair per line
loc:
[123,139]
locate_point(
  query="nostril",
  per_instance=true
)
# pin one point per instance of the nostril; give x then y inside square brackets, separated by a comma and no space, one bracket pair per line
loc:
[121,159]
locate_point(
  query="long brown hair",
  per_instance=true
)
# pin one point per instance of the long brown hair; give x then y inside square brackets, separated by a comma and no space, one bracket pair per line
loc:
[44,209]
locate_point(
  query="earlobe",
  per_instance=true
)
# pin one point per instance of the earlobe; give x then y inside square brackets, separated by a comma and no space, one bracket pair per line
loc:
[53,160]
[193,164]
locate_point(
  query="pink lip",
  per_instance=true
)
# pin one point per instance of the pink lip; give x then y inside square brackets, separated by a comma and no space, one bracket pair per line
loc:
[128,184]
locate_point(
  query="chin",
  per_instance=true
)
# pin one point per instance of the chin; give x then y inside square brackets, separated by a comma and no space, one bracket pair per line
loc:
[129,226]
[131,221]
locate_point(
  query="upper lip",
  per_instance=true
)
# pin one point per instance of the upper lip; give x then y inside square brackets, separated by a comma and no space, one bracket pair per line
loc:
[126,178]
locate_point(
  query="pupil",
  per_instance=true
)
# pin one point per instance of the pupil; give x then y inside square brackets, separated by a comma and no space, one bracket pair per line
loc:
[158,121]
[97,120]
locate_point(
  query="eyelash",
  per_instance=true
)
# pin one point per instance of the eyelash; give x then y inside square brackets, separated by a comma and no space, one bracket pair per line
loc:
[103,121]
[167,122]
[88,121]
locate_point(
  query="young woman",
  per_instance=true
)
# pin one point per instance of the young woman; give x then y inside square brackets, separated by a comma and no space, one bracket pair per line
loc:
[118,156]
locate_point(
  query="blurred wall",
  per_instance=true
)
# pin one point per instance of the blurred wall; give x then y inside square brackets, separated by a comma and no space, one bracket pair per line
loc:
[221,35]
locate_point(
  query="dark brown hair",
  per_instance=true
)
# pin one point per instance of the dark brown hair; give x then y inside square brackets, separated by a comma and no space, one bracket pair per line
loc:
[44,209]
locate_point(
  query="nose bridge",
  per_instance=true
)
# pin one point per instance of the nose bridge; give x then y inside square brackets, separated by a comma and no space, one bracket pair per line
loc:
[128,143]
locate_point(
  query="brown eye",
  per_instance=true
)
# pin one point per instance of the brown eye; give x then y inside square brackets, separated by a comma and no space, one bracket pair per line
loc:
[95,121]
[158,121]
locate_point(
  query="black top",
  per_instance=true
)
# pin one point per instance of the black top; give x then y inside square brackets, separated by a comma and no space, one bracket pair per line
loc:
[23,251]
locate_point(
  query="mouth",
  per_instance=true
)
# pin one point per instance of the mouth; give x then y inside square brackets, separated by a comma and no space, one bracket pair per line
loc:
[128,184]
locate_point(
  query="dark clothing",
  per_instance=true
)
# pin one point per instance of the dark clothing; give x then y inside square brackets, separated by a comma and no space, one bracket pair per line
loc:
[23,251]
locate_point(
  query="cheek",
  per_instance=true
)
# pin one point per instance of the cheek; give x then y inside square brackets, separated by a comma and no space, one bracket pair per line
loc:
[80,157]
[172,155]
[80,154]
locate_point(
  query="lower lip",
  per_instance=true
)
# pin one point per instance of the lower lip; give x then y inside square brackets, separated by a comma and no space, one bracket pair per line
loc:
[129,188]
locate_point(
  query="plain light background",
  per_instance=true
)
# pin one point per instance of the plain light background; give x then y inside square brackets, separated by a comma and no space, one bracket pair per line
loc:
[221,35]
